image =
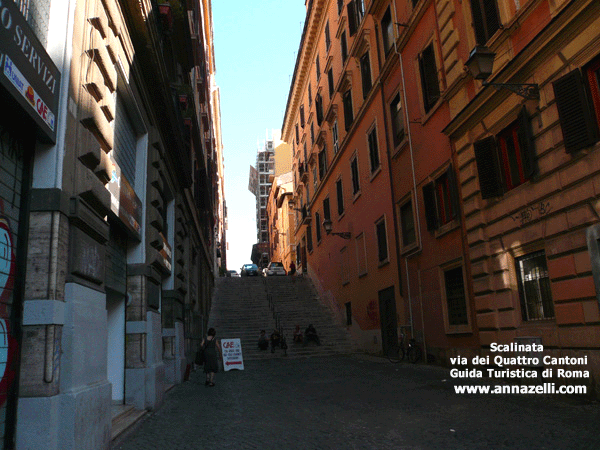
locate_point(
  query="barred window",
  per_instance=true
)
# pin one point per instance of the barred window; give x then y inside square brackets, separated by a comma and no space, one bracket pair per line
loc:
[534,287]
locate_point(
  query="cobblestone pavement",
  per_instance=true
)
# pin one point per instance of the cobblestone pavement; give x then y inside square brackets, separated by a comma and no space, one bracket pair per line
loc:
[357,402]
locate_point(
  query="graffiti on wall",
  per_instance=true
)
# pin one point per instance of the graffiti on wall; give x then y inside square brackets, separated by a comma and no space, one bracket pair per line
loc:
[8,344]
[528,214]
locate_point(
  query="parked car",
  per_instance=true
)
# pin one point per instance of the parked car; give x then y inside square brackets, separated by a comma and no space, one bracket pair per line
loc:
[275,268]
[232,273]
[249,270]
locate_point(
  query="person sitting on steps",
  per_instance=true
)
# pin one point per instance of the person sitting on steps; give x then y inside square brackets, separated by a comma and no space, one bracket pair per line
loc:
[263,342]
[275,340]
[298,336]
[310,334]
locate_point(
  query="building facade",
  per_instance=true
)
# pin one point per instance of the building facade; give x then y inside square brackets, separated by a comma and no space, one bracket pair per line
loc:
[463,205]
[264,170]
[110,223]
[334,121]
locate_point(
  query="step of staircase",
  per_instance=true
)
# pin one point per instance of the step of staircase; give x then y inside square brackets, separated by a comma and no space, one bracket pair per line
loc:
[241,308]
[124,417]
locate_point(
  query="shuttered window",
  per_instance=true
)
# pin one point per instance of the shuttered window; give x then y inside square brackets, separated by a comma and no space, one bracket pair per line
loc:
[508,160]
[397,120]
[348,112]
[355,176]
[125,141]
[429,80]
[373,150]
[326,209]
[327,36]
[382,250]
[302,122]
[407,222]
[330,82]
[387,31]
[352,17]
[440,198]
[318,226]
[365,72]
[577,120]
[319,108]
[340,197]
[455,296]
[322,162]
[486,19]
[344,47]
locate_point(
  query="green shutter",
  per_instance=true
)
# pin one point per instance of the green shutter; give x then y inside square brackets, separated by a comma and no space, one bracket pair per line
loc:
[577,118]
[488,168]
[526,144]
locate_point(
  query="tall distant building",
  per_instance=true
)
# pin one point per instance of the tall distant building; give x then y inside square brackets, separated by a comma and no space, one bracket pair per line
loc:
[265,167]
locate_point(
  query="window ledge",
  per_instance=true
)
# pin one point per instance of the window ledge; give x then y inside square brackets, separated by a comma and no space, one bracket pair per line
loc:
[362,275]
[356,197]
[412,248]
[383,263]
[375,173]
[459,329]
[447,228]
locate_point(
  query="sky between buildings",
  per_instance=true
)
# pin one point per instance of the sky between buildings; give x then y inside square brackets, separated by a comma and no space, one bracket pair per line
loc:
[255,54]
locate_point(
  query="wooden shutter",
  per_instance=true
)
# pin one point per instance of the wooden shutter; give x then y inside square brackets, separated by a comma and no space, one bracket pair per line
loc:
[352,19]
[486,156]
[319,108]
[430,207]
[526,144]
[577,119]
[453,186]
[478,23]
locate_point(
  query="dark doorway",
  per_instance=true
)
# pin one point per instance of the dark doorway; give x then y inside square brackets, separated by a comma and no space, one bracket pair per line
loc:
[388,320]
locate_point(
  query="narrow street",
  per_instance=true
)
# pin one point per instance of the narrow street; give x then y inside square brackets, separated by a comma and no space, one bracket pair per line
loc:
[357,402]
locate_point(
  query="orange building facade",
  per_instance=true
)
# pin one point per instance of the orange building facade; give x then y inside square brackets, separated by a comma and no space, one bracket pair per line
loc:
[462,205]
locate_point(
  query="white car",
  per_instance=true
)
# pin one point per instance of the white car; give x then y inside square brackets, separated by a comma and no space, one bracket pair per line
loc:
[275,268]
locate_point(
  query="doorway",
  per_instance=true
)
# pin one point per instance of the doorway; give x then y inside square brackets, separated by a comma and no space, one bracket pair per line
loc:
[388,320]
[115,312]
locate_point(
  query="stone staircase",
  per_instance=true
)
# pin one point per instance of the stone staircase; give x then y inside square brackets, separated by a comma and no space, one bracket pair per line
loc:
[243,306]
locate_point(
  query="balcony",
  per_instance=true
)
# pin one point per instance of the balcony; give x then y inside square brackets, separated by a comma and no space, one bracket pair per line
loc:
[306,217]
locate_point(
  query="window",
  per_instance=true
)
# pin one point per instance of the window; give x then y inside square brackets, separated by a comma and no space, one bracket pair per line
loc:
[507,160]
[373,150]
[407,223]
[309,95]
[330,82]
[334,134]
[297,135]
[486,20]
[327,37]
[326,209]
[125,146]
[318,66]
[344,266]
[365,72]
[397,120]
[344,46]
[340,197]
[430,87]
[302,116]
[312,134]
[534,287]
[348,313]
[340,4]
[318,226]
[382,250]
[309,244]
[456,301]
[322,162]
[319,108]
[355,176]
[387,30]
[352,17]
[576,106]
[348,113]
[315,178]
[360,10]
[441,200]
[361,254]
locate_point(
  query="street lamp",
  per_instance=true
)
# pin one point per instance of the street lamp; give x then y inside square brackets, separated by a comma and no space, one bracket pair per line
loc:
[327,227]
[481,63]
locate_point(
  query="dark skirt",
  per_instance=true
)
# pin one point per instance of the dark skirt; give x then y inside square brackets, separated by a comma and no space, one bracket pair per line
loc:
[211,362]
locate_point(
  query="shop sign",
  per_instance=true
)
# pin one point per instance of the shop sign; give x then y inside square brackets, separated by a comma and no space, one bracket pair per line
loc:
[27,71]
[232,354]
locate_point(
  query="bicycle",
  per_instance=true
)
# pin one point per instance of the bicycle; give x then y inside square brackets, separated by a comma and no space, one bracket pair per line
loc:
[397,352]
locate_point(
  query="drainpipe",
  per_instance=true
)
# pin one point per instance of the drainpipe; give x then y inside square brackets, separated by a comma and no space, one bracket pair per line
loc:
[416,203]
[389,160]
